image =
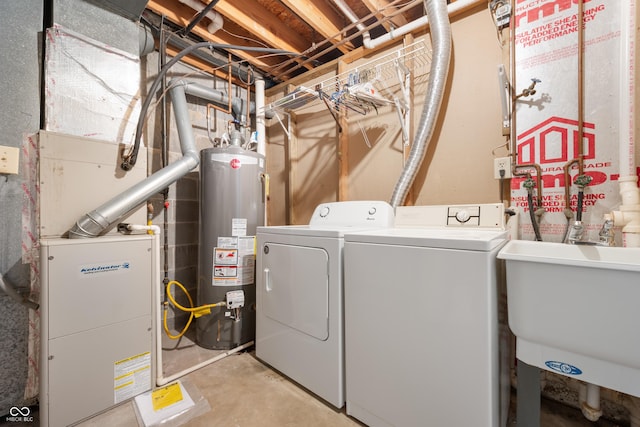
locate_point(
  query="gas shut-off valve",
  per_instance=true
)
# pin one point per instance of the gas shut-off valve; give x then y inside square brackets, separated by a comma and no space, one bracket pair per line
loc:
[235,301]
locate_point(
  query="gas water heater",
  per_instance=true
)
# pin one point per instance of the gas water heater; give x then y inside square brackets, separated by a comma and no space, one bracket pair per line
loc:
[232,205]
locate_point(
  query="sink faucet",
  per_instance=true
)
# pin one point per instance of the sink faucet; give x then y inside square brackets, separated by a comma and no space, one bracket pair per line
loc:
[575,233]
[606,236]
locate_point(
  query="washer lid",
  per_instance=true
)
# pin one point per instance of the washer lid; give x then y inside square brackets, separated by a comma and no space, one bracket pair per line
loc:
[450,238]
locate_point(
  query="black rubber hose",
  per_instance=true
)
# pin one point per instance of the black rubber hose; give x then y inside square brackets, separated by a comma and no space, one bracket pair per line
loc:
[199,17]
[534,223]
[579,208]
[130,159]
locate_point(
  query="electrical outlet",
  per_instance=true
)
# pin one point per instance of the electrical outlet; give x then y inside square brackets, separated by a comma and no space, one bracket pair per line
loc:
[9,159]
[502,163]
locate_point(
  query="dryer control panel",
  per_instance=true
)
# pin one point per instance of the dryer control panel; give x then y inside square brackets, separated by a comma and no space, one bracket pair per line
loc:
[357,213]
[473,216]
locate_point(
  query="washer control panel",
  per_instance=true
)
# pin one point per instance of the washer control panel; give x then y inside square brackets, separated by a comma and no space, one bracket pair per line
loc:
[476,216]
[353,213]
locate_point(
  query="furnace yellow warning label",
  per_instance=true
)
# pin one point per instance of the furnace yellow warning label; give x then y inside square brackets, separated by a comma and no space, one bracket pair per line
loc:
[166,396]
[131,376]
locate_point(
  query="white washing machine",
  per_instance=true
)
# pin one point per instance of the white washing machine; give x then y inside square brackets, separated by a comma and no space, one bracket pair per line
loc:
[423,312]
[299,294]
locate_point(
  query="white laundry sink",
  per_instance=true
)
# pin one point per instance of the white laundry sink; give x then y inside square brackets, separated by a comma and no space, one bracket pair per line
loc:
[575,310]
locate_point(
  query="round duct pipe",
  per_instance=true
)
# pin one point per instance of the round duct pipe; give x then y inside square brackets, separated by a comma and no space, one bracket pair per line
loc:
[146,43]
[440,30]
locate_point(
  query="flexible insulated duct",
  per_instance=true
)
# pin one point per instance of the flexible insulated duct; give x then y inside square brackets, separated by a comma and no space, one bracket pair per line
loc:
[440,30]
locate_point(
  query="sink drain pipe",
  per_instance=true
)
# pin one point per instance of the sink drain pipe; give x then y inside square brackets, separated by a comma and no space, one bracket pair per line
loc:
[628,215]
[440,31]
[589,396]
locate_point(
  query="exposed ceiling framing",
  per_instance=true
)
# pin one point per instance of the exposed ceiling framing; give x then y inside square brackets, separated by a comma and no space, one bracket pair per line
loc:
[314,31]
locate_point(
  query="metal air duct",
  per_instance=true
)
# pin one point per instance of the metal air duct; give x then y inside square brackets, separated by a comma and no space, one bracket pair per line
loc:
[440,30]
[130,9]
[100,219]
[97,221]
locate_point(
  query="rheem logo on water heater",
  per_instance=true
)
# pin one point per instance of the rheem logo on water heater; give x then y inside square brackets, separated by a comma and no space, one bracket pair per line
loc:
[235,163]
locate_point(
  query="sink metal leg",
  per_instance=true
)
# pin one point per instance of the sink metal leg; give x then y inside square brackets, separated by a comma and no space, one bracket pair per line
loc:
[528,396]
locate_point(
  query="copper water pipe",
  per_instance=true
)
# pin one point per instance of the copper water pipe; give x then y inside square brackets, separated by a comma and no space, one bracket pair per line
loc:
[514,136]
[512,71]
[580,158]
[581,87]
[567,180]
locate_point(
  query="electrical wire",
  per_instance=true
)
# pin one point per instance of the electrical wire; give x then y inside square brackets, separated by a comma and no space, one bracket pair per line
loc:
[493,5]
[249,82]
[161,96]
[343,40]
[193,311]
[249,39]
[503,145]
[502,174]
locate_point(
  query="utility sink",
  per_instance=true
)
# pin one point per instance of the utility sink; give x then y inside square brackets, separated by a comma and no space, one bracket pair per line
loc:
[575,310]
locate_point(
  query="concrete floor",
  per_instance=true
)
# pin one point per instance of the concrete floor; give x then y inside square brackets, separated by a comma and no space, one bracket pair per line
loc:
[239,390]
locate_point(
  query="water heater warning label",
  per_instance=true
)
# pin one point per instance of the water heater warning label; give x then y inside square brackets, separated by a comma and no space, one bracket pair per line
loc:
[234,261]
[239,227]
[221,272]
[226,256]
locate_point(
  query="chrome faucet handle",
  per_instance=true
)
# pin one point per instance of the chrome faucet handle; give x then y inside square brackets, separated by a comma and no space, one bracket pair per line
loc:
[606,235]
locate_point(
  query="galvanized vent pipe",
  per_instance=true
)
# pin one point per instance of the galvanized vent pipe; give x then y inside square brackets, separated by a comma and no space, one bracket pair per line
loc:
[97,221]
[440,30]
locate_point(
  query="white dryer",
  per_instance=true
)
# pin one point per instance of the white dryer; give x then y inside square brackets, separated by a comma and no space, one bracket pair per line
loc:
[299,294]
[423,309]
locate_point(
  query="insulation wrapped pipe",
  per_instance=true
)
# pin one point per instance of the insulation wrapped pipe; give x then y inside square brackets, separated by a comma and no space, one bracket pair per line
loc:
[440,30]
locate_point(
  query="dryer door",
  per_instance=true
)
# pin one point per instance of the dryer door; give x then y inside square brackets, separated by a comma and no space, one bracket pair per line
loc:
[296,287]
